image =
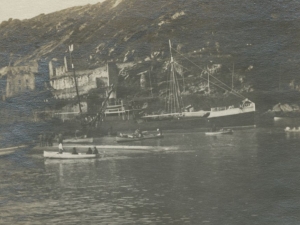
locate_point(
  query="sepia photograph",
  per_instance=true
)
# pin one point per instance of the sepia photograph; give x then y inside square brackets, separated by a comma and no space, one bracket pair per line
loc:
[156,112]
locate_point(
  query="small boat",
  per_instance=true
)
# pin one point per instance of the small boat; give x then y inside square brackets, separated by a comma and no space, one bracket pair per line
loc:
[68,155]
[9,150]
[222,131]
[129,138]
[293,130]
[78,140]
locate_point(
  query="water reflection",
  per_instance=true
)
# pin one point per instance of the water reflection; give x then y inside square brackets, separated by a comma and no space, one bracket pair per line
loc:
[292,135]
[249,177]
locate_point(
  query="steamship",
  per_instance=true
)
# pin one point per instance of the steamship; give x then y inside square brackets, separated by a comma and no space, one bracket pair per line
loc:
[233,116]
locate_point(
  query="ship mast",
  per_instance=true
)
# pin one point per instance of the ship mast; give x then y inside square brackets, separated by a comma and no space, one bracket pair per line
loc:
[75,80]
[174,105]
[232,77]
[208,84]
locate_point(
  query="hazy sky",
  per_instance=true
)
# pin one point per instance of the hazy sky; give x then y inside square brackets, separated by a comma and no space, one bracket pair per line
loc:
[24,9]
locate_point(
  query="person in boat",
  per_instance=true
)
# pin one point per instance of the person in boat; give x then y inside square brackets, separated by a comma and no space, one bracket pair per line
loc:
[96,152]
[138,133]
[60,148]
[89,151]
[159,132]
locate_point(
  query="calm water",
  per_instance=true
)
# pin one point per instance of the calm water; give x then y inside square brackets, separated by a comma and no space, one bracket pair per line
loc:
[250,177]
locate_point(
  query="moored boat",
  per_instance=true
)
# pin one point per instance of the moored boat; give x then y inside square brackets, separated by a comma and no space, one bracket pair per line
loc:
[78,140]
[9,150]
[175,110]
[293,130]
[239,115]
[222,131]
[233,116]
[128,138]
[67,155]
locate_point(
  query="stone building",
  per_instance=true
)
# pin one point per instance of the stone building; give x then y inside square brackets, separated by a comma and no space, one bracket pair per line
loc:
[16,80]
[63,83]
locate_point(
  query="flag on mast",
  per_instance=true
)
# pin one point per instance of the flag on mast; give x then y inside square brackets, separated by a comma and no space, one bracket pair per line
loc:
[71,48]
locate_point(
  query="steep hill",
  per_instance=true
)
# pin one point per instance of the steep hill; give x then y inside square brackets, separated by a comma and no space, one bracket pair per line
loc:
[261,38]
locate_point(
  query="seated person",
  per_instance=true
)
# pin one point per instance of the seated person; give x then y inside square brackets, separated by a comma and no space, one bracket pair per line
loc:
[74,152]
[89,151]
[60,148]
[95,151]
[159,132]
[138,133]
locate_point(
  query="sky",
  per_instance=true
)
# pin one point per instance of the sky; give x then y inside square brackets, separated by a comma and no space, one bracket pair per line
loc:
[25,9]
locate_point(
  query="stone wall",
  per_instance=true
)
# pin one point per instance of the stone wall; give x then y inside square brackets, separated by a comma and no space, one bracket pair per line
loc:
[71,111]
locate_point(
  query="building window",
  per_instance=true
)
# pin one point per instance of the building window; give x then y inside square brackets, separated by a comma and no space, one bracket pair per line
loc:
[19,88]
[19,81]
[27,88]
[27,81]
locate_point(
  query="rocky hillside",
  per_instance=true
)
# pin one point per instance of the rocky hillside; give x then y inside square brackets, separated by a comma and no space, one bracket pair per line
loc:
[261,38]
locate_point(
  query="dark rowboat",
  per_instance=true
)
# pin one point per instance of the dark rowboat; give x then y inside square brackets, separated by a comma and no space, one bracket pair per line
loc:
[6,151]
[227,131]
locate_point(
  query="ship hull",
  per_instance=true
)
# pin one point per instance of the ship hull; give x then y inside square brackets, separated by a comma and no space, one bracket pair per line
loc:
[233,120]
[113,126]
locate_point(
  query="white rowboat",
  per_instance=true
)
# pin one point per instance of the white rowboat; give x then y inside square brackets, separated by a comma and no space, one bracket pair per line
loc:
[78,140]
[68,155]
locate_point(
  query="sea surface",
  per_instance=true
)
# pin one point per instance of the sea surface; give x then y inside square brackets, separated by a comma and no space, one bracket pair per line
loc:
[250,177]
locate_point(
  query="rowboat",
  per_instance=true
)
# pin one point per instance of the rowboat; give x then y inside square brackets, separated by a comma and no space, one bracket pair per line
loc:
[78,140]
[132,138]
[68,155]
[227,131]
[6,151]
